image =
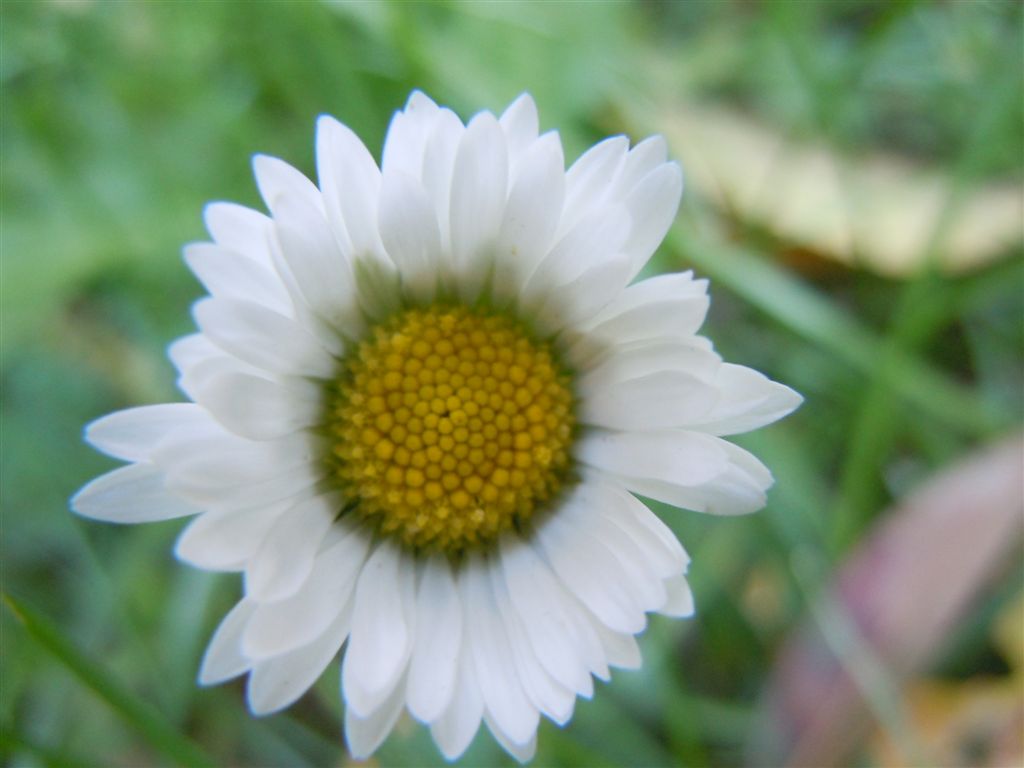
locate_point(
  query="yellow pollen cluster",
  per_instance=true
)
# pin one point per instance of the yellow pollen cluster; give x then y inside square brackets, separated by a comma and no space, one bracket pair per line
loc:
[449,426]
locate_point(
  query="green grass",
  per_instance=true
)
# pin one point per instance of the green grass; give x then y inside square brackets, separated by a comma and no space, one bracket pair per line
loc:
[120,120]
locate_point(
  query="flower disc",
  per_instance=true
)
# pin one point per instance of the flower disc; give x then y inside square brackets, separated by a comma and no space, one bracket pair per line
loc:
[449,427]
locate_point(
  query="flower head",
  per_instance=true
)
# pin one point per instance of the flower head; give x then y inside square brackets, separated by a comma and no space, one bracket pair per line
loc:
[423,396]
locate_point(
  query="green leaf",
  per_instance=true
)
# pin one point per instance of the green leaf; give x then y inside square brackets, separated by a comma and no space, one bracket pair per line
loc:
[161,737]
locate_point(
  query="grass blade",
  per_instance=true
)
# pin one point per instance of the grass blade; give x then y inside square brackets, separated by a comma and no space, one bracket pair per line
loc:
[158,734]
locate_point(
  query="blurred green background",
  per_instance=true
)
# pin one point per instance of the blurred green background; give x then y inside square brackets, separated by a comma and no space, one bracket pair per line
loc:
[121,119]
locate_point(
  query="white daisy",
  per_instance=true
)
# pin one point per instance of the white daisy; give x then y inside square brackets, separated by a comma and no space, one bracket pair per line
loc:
[422,398]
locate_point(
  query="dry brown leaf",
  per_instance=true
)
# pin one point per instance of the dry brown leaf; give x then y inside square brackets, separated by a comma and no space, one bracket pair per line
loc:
[878,212]
[976,722]
[901,591]
[1008,634]
[979,721]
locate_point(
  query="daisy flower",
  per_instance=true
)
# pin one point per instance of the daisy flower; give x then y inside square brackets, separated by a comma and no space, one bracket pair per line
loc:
[423,399]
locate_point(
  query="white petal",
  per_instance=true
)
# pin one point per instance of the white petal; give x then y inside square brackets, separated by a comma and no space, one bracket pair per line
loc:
[231,275]
[350,181]
[223,541]
[479,192]
[199,484]
[632,518]
[738,490]
[641,160]
[642,572]
[664,307]
[662,400]
[539,599]
[591,572]
[676,457]
[595,240]
[407,136]
[522,752]
[216,457]
[520,124]
[239,229]
[653,205]
[321,272]
[680,598]
[585,628]
[454,730]
[634,361]
[212,465]
[585,294]
[260,409]
[670,287]
[382,629]
[192,350]
[285,558]
[276,178]
[435,655]
[198,360]
[200,373]
[748,400]
[364,734]
[531,216]
[263,338]
[621,649]
[409,229]
[438,166]
[281,626]
[132,494]
[502,692]
[223,659]
[339,319]
[133,433]
[277,682]
[589,178]
[548,696]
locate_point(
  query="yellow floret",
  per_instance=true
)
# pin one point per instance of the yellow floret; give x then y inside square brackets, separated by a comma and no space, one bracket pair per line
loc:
[450,426]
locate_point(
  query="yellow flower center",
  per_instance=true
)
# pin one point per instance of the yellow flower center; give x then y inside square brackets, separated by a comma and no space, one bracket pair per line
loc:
[450,426]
